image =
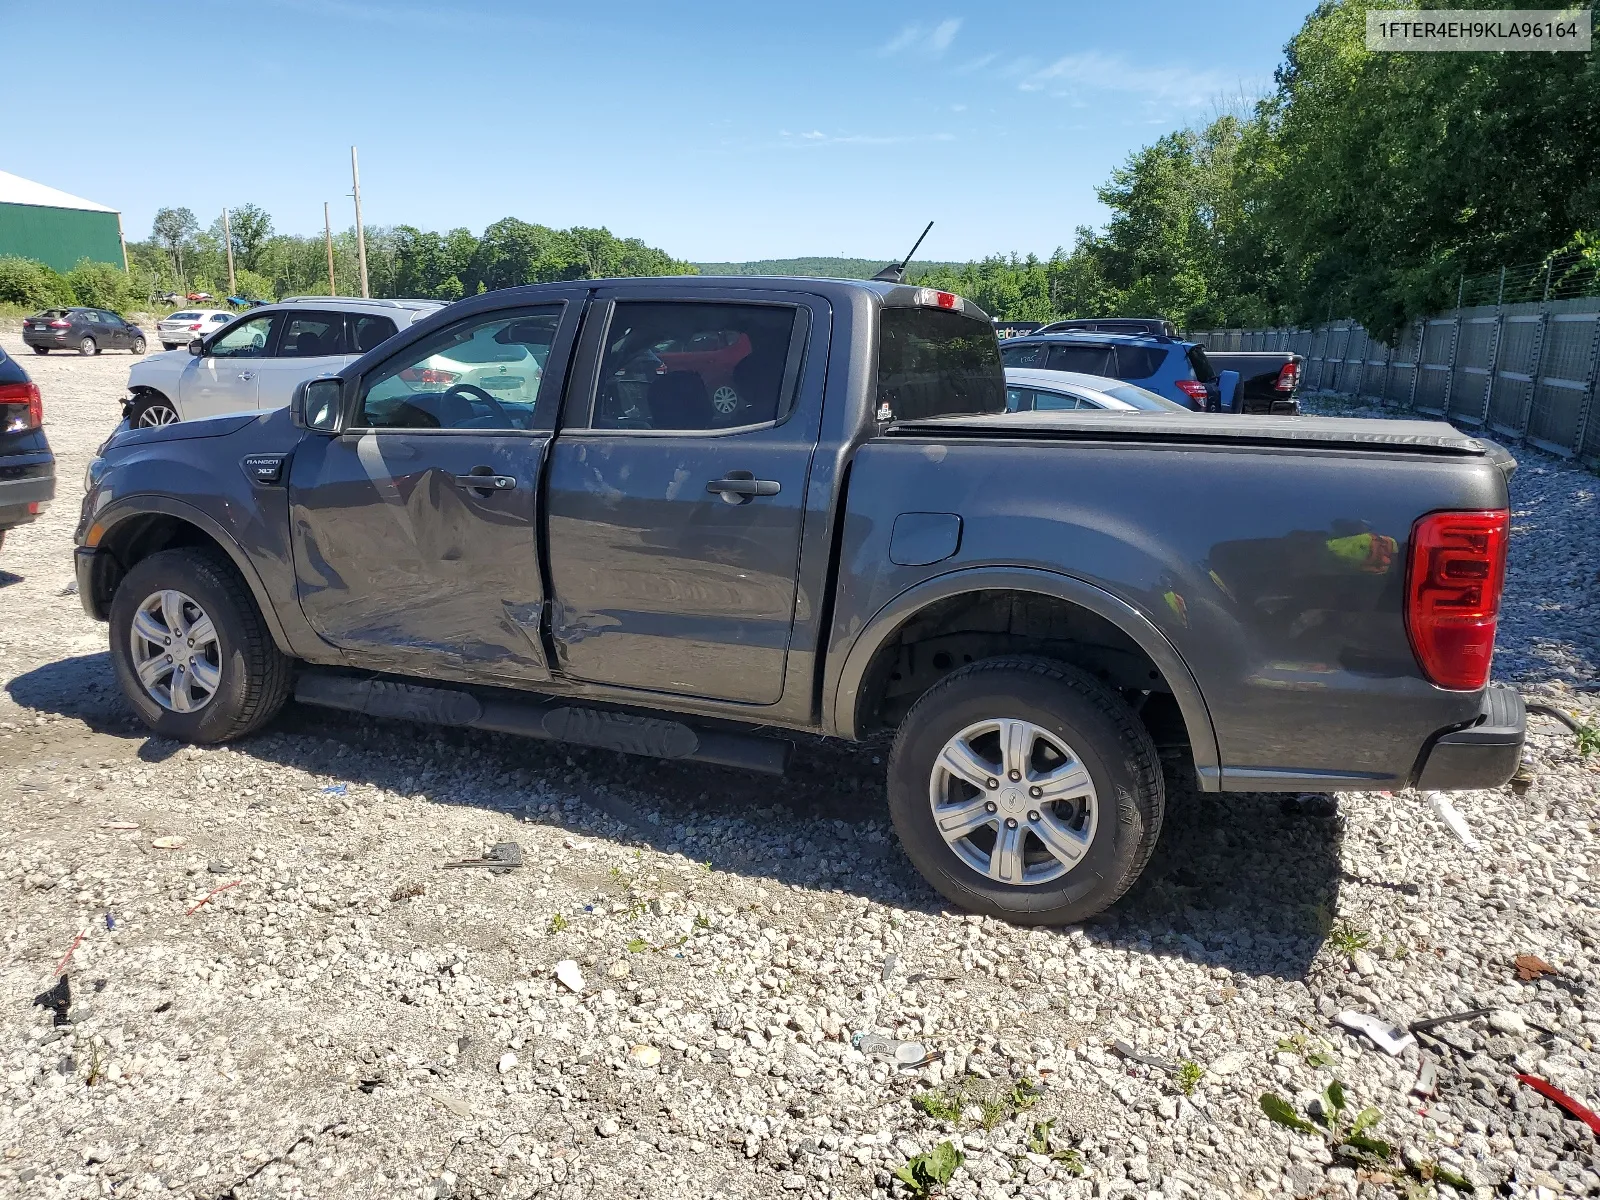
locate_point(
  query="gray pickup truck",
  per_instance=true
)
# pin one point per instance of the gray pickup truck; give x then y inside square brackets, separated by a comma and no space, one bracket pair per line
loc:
[678,517]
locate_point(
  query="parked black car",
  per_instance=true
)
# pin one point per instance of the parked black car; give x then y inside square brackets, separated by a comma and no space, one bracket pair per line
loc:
[1045,605]
[27,468]
[86,330]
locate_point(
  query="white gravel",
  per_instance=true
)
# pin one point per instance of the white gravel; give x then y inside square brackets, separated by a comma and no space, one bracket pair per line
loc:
[349,1019]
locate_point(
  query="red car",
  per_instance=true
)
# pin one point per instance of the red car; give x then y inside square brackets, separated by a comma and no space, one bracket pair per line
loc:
[712,356]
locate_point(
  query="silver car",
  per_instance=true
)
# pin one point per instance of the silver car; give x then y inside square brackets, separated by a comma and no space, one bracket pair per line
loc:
[1033,389]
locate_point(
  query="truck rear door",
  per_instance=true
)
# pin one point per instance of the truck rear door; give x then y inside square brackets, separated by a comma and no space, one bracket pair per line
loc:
[676,489]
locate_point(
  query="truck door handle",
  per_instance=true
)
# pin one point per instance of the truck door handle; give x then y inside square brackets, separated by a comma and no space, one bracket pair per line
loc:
[740,487]
[246,376]
[485,482]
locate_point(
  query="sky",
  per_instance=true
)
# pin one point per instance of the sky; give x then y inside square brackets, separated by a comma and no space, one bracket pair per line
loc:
[715,131]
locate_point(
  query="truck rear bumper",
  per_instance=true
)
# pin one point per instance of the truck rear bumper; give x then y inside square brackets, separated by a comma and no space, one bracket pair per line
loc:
[1483,755]
[20,494]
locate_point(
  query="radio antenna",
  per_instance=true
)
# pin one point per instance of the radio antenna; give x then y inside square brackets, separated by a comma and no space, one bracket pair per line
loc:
[895,272]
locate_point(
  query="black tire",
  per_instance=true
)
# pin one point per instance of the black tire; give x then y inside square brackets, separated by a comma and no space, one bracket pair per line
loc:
[41,349]
[169,345]
[1107,738]
[137,347]
[255,674]
[87,347]
[150,405]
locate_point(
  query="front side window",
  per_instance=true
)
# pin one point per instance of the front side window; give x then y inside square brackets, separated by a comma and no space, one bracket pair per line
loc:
[1018,399]
[312,335]
[689,366]
[246,340]
[936,363]
[481,374]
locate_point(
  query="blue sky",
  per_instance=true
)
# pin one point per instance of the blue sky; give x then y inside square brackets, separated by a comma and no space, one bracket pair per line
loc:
[717,131]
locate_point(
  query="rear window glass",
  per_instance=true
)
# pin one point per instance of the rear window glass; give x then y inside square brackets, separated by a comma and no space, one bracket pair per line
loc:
[933,363]
[184,316]
[1201,364]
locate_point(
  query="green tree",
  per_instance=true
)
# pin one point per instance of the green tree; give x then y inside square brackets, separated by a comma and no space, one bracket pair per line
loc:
[172,228]
[251,227]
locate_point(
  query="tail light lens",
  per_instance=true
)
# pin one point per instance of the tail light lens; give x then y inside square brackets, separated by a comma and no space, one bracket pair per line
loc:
[428,375]
[1453,584]
[1288,377]
[60,324]
[1193,389]
[194,327]
[21,407]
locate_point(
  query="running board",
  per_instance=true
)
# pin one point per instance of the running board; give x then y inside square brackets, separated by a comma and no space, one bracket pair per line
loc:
[553,720]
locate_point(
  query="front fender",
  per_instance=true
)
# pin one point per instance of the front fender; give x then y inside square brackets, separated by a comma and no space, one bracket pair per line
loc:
[105,522]
[844,701]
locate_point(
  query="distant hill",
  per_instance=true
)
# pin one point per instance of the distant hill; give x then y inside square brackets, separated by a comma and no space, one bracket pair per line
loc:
[829,268]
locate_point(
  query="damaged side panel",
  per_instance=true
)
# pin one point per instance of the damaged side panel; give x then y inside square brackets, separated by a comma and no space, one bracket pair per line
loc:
[432,576]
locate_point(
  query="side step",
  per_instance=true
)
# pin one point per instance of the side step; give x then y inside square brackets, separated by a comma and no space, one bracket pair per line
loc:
[553,720]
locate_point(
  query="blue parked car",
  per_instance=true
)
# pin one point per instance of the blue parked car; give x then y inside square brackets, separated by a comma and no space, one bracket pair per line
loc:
[1175,369]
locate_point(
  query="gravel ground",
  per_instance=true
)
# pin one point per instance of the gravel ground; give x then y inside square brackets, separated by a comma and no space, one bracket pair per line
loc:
[274,988]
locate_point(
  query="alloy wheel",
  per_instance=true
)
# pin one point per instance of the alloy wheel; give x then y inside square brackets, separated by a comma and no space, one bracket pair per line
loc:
[1013,802]
[176,654]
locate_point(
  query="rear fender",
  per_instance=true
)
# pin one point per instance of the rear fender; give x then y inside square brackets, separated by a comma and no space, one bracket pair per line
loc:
[887,621]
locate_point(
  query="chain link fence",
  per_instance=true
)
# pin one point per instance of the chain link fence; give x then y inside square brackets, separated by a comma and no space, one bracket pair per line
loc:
[1521,371]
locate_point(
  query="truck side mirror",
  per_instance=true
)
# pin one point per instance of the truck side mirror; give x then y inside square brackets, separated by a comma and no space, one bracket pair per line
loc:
[1228,391]
[318,404]
[197,346]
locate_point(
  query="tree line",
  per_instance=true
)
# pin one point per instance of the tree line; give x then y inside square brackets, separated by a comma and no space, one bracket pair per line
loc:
[1364,185]
[402,260]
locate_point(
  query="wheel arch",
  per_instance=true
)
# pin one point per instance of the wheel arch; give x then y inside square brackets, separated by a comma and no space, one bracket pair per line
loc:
[123,536]
[859,684]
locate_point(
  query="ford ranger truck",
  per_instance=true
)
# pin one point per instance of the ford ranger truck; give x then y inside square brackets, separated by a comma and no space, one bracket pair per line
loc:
[679,517]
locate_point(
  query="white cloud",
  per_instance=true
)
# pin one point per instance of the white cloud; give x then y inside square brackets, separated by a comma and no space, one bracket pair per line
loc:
[929,40]
[1091,71]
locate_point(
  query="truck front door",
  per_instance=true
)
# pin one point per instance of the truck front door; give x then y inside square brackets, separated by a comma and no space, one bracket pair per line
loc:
[676,491]
[416,530]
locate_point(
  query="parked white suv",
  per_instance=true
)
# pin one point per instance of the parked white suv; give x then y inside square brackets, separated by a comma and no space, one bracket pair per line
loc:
[181,328]
[255,361]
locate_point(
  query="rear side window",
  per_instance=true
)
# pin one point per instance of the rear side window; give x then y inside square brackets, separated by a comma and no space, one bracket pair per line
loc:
[680,366]
[1201,364]
[312,335]
[1089,359]
[366,333]
[934,363]
[1029,354]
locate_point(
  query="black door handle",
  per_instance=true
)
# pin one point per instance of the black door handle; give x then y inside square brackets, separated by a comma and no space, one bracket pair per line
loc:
[740,487]
[482,481]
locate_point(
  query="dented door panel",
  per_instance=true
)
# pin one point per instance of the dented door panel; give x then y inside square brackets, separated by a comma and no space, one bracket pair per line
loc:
[401,564]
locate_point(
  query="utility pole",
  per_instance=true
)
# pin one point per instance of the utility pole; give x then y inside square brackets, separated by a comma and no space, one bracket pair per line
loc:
[327,234]
[227,237]
[361,237]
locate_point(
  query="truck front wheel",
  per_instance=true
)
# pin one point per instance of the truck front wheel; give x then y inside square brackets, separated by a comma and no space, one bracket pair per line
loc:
[192,653]
[1025,789]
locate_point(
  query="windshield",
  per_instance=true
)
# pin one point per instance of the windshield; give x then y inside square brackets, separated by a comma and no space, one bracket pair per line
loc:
[935,363]
[1142,399]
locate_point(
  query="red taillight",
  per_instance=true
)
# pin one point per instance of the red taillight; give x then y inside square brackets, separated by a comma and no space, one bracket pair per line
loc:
[60,324]
[428,375]
[934,298]
[24,408]
[194,327]
[1288,377]
[1193,389]
[1456,572]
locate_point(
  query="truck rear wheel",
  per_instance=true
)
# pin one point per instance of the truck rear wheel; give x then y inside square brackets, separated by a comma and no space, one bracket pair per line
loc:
[1025,789]
[191,650]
